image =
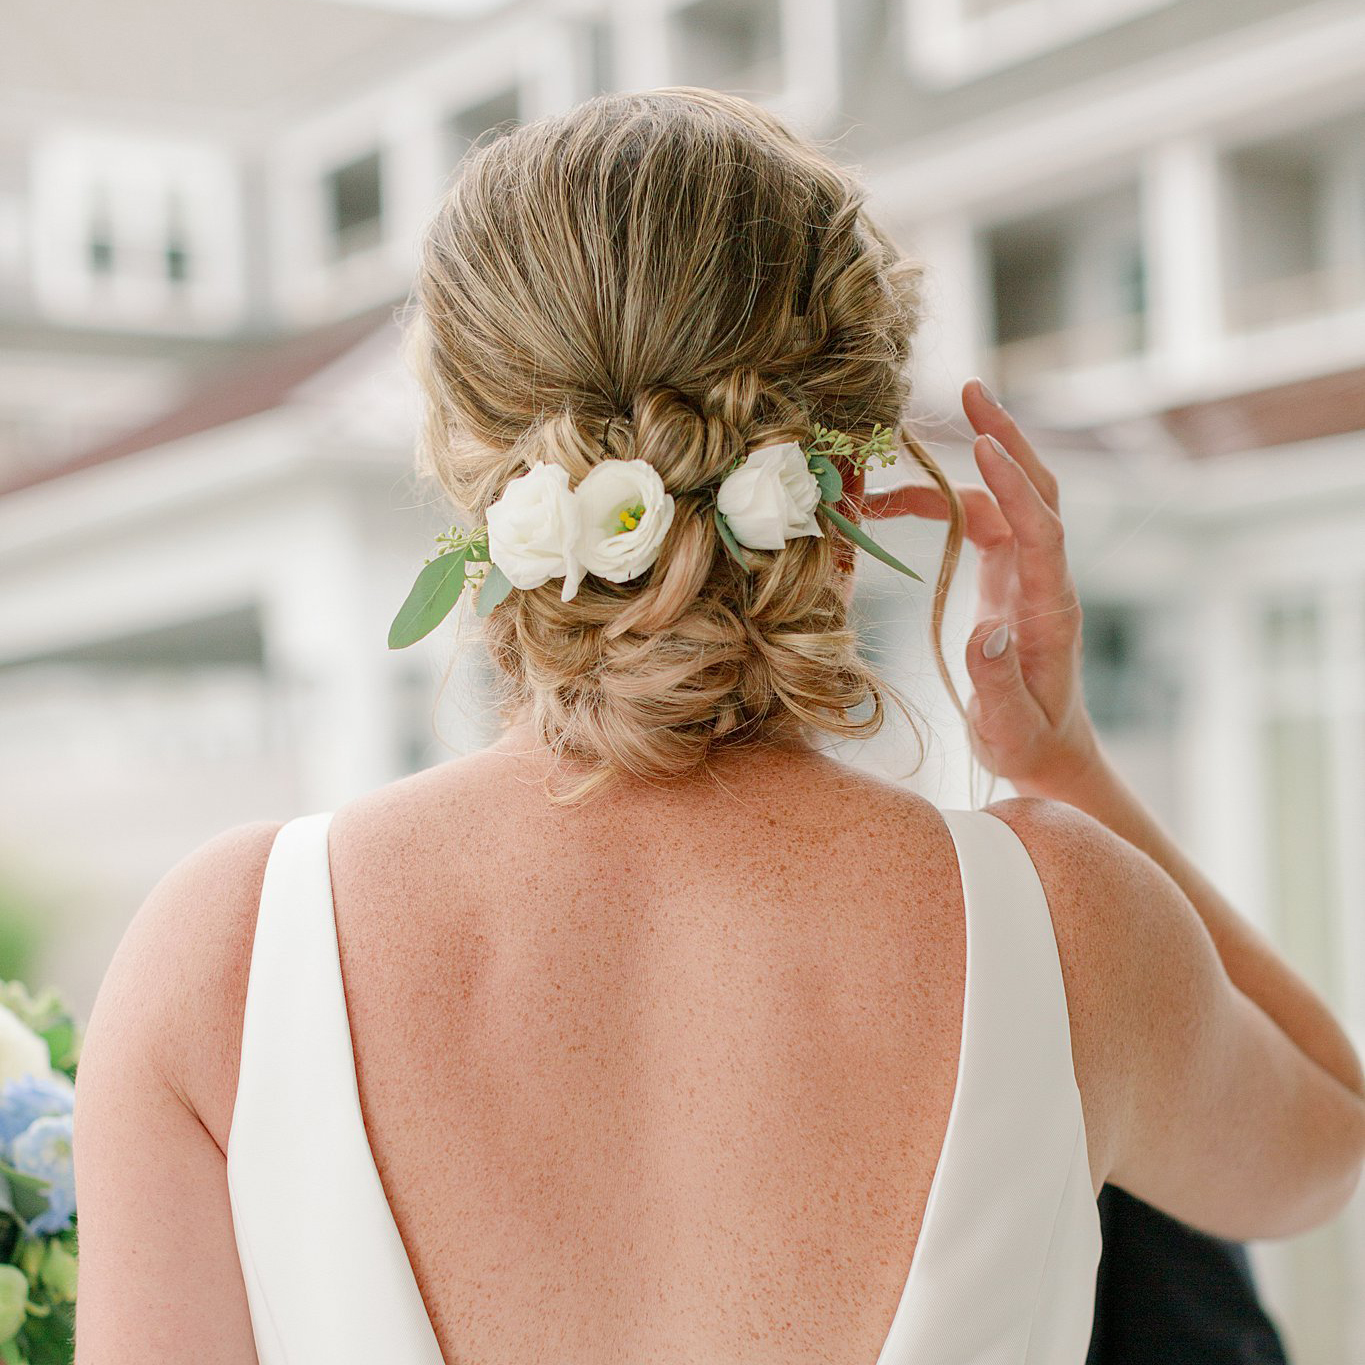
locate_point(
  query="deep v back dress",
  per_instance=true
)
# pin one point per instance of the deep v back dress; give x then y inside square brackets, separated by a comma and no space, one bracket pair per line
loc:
[1004,1269]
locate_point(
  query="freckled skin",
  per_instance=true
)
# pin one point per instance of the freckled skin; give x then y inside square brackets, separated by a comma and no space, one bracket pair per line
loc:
[659,1078]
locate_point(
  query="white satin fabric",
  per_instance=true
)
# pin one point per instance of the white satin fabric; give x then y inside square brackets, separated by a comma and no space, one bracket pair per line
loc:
[1004,1270]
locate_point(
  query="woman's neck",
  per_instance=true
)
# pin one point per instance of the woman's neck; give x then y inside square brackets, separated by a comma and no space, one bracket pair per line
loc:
[521,740]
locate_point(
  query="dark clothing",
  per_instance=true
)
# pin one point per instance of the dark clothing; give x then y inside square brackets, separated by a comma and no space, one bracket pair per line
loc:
[1168,1295]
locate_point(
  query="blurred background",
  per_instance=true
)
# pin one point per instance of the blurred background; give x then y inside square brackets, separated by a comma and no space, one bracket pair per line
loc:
[1143,223]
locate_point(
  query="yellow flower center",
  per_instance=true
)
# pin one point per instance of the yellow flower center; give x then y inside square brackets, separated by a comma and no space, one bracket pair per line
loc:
[630,517]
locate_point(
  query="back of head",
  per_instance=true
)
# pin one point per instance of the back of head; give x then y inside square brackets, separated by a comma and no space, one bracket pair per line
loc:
[670,276]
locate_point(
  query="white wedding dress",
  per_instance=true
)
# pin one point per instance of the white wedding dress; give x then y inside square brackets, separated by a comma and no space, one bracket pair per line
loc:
[1005,1265]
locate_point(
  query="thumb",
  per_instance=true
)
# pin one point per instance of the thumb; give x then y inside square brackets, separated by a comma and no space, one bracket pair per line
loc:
[1003,713]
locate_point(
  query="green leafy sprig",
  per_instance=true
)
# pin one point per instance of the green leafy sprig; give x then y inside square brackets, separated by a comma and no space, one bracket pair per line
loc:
[438,587]
[38,1271]
[838,445]
[820,462]
[827,446]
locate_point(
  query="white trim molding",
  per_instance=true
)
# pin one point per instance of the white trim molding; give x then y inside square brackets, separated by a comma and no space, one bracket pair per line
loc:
[1263,79]
[949,42]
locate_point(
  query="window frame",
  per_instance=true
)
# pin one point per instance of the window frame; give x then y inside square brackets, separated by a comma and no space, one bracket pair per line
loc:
[337,249]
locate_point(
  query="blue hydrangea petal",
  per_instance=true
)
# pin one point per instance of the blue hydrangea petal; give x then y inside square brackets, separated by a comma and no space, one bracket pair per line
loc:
[44,1150]
[27,1098]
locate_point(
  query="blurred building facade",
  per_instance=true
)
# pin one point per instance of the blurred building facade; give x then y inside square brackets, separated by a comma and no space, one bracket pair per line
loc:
[1143,223]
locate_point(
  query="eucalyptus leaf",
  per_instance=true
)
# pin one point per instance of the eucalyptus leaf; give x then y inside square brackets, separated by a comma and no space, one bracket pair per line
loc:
[430,600]
[492,590]
[28,1194]
[860,538]
[828,477]
[727,537]
[21,1180]
[60,1038]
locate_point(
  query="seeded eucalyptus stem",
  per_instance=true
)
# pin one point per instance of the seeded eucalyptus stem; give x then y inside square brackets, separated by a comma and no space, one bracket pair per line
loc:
[470,542]
[834,445]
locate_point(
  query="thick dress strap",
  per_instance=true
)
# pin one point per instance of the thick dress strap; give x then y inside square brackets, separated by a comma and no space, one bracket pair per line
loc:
[1004,1269]
[326,1273]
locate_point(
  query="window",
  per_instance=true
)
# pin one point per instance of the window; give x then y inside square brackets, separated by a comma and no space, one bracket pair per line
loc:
[355,197]
[177,256]
[499,112]
[177,262]
[1128,684]
[141,232]
[1296,230]
[1068,287]
[100,242]
[728,44]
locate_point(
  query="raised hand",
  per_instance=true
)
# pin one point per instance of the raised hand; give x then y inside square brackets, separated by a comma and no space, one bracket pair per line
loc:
[1027,715]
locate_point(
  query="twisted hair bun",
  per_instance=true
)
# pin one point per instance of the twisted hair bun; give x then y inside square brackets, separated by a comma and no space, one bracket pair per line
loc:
[676,277]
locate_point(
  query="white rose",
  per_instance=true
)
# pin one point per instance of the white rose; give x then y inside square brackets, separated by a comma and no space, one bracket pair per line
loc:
[770,498]
[533,529]
[624,514]
[22,1052]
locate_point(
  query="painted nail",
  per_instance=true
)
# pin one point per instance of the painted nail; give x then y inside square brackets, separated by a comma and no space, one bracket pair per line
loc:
[996,641]
[986,391]
[999,449]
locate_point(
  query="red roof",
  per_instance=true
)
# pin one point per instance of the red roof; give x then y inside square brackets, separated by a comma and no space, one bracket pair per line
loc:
[239,391]
[1325,405]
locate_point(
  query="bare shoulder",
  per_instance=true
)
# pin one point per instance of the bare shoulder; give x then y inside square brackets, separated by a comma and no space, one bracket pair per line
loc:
[1090,874]
[1111,902]
[175,990]
[1092,879]
[1078,859]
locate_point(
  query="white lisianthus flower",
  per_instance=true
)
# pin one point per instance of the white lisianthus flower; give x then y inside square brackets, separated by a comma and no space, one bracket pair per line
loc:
[770,498]
[22,1052]
[624,514]
[533,530]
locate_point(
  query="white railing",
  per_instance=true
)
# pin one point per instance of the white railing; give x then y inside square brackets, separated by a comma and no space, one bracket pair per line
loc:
[1260,303]
[1070,348]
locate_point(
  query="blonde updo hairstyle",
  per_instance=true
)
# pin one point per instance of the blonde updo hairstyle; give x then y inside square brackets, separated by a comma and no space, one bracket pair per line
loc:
[672,276]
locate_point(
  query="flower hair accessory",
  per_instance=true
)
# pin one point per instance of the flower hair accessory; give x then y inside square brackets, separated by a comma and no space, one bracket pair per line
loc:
[773,495]
[770,498]
[614,523]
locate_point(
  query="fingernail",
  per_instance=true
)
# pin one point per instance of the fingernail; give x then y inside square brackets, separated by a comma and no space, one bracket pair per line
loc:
[986,391]
[996,641]
[998,448]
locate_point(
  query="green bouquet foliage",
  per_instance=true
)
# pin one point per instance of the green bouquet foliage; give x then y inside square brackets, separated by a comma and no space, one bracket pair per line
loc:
[38,1238]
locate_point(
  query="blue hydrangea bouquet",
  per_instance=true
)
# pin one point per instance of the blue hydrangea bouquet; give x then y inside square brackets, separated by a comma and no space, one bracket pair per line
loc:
[39,1047]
